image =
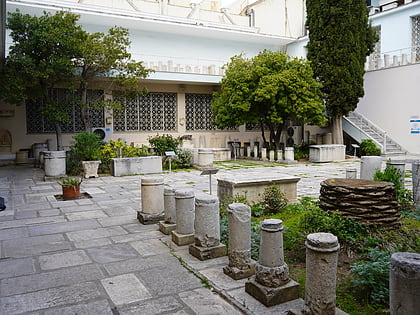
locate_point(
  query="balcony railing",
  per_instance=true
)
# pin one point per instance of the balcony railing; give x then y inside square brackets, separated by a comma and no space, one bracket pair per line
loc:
[394,58]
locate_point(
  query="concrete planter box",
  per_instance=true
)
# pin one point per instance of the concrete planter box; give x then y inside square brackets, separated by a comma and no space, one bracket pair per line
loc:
[327,153]
[136,165]
[254,188]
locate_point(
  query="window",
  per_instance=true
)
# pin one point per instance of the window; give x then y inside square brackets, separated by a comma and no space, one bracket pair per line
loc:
[36,123]
[151,112]
[198,112]
[416,37]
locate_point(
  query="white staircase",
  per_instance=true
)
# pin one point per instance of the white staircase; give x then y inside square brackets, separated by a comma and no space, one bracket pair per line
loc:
[359,127]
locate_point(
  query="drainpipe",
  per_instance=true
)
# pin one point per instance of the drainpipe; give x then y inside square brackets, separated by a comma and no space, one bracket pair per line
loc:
[251,15]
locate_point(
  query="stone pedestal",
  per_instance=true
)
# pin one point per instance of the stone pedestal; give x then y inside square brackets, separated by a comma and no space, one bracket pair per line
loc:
[21,157]
[272,284]
[404,284]
[205,158]
[279,155]
[184,232]
[55,163]
[37,149]
[289,154]
[327,153]
[321,270]
[369,165]
[207,229]
[240,263]
[169,223]
[255,152]
[152,203]
[271,155]
[415,167]
[90,168]
[400,166]
[351,173]
[264,154]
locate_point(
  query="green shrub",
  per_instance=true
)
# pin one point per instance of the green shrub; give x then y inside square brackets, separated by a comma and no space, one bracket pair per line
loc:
[119,149]
[302,151]
[237,198]
[346,229]
[183,159]
[371,277]
[404,196]
[87,147]
[161,144]
[274,200]
[369,147]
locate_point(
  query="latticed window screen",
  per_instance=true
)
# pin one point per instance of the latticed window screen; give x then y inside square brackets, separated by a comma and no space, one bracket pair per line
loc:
[416,36]
[376,54]
[198,112]
[36,123]
[151,112]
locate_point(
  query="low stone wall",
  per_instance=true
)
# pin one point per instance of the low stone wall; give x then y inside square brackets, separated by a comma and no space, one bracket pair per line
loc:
[136,165]
[327,153]
[254,187]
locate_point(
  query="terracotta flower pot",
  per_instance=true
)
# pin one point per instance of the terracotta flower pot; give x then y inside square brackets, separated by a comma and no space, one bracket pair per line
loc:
[72,192]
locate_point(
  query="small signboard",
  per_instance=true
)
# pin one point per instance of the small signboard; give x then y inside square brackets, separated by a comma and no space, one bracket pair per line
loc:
[415,126]
[210,172]
[170,153]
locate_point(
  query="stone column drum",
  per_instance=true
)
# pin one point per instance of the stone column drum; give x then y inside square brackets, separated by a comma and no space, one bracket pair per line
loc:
[415,167]
[369,165]
[168,225]
[184,232]
[264,154]
[404,284]
[151,200]
[271,155]
[55,163]
[399,165]
[321,270]
[205,158]
[289,154]
[240,263]
[207,229]
[255,152]
[272,284]
[351,173]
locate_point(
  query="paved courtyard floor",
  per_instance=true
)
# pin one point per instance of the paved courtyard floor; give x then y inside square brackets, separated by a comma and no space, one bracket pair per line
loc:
[92,256]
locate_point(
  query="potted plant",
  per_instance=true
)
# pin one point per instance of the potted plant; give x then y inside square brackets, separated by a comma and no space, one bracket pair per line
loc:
[87,149]
[71,187]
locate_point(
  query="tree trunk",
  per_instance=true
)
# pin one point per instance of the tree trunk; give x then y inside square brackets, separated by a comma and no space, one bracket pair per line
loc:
[262,133]
[84,110]
[59,136]
[337,129]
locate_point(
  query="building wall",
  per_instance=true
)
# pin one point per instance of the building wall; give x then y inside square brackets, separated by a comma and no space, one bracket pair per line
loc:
[391,100]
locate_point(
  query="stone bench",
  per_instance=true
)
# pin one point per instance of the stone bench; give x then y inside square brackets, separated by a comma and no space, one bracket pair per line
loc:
[136,165]
[254,187]
[327,153]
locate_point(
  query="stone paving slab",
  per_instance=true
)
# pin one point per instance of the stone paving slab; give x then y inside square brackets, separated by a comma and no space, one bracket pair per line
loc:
[100,307]
[62,260]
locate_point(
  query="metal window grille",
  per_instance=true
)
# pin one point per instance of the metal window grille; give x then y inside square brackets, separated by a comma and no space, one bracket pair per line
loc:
[150,112]
[36,123]
[416,36]
[198,112]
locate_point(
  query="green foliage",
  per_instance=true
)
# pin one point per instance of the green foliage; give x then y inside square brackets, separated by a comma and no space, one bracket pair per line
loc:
[237,198]
[371,277]
[346,229]
[273,200]
[267,90]
[88,146]
[369,147]
[163,143]
[183,159]
[302,151]
[334,28]
[255,240]
[119,149]
[395,176]
[70,181]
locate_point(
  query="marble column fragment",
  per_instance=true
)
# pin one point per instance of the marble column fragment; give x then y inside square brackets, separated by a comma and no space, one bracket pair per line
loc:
[351,173]
[185,213]
[240,263]
[207,229]
[404,284]
[264,154]
[400,166]
[369,165]
[272,156]
[168,225]
[321,273]
[255,152]
[289,154]
[152,204]
[272,284]
[415,167]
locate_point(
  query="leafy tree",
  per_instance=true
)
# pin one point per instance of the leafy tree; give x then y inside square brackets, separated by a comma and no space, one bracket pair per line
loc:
[40,59]
[340,39]
[267,90]
[107,55]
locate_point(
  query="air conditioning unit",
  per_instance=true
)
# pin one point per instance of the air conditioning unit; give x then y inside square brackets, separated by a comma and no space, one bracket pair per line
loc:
[294,135]
[104,133]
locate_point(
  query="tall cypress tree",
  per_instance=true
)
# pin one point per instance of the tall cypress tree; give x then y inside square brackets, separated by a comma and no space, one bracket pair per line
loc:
[340,39]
